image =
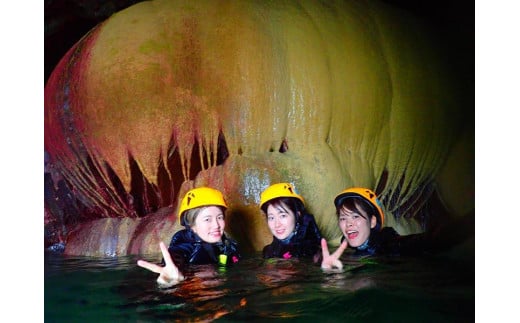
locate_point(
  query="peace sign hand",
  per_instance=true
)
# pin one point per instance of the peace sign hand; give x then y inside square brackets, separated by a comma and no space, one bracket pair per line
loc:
[330,261]
[169,275]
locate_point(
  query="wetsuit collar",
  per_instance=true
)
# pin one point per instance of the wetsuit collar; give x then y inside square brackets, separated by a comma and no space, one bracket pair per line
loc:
[288,239]
[364,246]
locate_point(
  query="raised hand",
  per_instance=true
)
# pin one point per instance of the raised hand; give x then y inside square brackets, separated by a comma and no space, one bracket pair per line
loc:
[169,275]
[330,261]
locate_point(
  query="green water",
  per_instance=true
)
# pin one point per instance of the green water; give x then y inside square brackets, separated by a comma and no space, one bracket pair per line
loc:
[428,289]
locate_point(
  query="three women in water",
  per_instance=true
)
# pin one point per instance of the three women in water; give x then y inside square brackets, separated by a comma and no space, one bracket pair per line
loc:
[294,229]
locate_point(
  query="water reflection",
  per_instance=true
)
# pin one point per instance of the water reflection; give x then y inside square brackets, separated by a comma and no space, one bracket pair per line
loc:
[115,289]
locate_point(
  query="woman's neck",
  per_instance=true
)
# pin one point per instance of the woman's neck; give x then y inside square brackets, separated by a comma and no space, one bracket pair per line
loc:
[364,245]
[288,239]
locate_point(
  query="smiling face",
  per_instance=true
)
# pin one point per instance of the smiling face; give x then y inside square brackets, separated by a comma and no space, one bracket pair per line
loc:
[209,224]
[355,223]
[281,220]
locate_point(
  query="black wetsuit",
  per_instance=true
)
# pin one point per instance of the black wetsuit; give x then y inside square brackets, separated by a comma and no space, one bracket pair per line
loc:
[186,247]
[305,242]
[389,242]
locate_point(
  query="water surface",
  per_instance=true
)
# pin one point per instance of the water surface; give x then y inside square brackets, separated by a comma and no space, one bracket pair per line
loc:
[391,289]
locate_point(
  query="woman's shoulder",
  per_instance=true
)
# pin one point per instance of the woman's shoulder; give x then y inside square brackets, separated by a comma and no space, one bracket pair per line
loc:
[267,252]
[180,234]
[228,239]
[389,231]
[183,236]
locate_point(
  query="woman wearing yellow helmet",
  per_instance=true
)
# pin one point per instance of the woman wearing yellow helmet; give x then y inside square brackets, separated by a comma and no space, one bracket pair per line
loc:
[361,220]
[295,233]
[202,241]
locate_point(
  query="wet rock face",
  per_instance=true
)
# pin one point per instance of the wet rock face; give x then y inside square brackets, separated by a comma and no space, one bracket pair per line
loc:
[167,95]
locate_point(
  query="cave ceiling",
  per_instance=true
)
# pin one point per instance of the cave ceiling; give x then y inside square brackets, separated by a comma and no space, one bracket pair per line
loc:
[66,21]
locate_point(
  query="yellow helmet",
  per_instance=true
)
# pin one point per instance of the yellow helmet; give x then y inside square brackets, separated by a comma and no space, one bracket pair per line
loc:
[365,193]
[279,190]
[201,196]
